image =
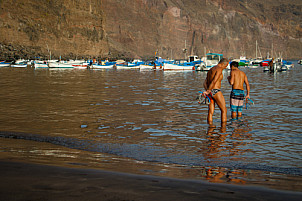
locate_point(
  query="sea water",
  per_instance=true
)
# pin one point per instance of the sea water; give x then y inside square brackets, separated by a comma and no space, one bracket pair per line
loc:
[149,122]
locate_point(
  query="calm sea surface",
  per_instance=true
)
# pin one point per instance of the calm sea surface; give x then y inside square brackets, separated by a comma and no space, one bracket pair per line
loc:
[149,122]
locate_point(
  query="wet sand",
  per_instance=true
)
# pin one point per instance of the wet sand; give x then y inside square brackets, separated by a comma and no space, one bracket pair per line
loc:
[25,181]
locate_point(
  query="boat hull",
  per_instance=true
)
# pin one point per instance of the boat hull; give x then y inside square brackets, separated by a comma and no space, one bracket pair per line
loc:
[127,67]
[18,65]
[59,65]
[4,64]
[146,67]
[37,65]
[96,66]
[176,67]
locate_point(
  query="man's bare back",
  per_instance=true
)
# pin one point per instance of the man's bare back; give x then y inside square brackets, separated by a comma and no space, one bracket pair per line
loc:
[237,79]
[214,77]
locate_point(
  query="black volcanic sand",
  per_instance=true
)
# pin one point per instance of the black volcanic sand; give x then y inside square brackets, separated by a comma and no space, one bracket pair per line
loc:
[22,181]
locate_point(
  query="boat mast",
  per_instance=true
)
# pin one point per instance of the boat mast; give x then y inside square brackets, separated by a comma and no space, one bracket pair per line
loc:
[185,49]
[256,50]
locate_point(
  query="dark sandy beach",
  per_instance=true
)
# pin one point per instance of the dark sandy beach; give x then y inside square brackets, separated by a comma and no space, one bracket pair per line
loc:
[24,181]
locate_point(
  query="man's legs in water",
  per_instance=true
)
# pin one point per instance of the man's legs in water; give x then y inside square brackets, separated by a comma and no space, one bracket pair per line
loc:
[219,99]
[211,111]
[234,114]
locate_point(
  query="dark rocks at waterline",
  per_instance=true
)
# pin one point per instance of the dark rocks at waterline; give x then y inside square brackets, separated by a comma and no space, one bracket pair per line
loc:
[9,52]
[13,52]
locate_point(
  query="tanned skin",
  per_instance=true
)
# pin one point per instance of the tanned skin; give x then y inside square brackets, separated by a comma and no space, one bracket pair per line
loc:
[237,79]
[213,81]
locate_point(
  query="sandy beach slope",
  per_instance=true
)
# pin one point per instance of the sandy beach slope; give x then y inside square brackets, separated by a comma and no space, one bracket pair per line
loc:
[22,181]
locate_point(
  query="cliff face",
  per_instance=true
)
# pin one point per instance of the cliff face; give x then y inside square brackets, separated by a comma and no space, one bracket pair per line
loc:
[69,27]
[139,28]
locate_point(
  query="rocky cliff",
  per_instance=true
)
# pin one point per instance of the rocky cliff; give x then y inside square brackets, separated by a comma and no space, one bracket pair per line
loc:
[139,28]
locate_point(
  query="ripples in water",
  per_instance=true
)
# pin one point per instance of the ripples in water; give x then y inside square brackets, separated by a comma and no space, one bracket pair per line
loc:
[152,117]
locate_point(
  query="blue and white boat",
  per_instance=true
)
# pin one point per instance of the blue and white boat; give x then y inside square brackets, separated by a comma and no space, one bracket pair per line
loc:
[128,65]
[182,65]
[19,65]
[146,67]
[103,65]
[179,65]
[4,64]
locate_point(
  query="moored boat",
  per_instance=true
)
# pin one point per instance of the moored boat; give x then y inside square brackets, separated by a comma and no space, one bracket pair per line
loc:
[128,65]
[210,60]
[108,65]
[4,64]
[40,64]
[179,65]
[59,65]
[146,67]
[80,65]
[19,65]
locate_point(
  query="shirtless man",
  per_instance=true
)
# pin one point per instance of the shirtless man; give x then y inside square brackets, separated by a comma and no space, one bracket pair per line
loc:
[212,85]
[237,79]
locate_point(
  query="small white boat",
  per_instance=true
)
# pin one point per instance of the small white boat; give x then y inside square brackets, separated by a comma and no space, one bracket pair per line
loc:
[101,66]
[40,64]
[60,65]
[179,66]
[127,66]
[283,68]
[144,67]
[19,65]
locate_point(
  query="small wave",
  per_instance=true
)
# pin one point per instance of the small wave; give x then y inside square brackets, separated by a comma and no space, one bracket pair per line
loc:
[143,152]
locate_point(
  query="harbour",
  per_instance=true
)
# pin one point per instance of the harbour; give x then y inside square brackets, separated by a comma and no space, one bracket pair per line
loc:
[149,123]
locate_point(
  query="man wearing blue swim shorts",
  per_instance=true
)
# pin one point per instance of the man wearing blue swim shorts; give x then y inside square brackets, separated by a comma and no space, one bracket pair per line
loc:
[237,79]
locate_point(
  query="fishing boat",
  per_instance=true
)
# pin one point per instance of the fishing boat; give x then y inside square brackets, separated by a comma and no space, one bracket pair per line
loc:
[4,64]
[300,62]
[210,60]
[40,64]
[19,65]
[83,65]
[179,65]
[146,67]
[59,65]
[128,65]
[107,65]
[182,65]
[288,64]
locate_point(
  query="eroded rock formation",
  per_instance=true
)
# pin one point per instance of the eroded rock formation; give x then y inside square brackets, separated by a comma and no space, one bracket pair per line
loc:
[139,28]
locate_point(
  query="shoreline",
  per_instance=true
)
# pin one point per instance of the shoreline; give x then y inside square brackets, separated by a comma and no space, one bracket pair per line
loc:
[29,181]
